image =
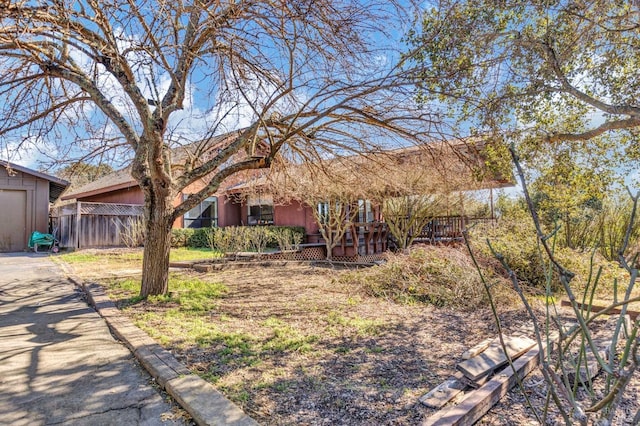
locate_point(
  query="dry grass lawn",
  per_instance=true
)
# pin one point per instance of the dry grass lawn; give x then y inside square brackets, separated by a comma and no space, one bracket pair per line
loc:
[298,344]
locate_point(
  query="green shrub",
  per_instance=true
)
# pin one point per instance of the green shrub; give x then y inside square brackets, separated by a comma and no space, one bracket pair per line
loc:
[598,223]
[199,238]
[258,237]
[286,238]
[222,239]
[180,237]
[609,228]
[238,238]
[297,235]
[515,239]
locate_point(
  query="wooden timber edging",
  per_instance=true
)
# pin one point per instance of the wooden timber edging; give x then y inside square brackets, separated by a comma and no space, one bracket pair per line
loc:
[478,348]
[480,361]
[445,391]
[476,403]
[595,309]
[493,357]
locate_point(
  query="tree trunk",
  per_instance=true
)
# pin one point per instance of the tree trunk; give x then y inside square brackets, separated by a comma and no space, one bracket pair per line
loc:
[157,244]
[328,242]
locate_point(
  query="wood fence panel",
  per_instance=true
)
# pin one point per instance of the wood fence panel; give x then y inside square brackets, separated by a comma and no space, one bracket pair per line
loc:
[101,224]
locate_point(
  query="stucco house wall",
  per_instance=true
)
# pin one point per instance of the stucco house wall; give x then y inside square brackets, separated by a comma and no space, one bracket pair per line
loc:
[295,214]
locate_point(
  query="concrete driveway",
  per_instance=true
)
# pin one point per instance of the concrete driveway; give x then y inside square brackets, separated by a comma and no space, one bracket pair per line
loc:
[59,363]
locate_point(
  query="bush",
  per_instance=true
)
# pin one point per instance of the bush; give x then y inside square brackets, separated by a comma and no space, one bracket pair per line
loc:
[258,237]
[180,237]
[442,276]
[199,238]
[599,223]
[223,240]
[238,238]
[132,231]
[515,239]
[286,238]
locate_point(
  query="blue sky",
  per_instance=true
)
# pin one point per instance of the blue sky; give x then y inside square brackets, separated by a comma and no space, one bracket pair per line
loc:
[192,121]
[188,124]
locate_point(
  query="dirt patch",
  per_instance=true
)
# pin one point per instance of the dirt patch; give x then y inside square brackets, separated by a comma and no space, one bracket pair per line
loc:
[295,345]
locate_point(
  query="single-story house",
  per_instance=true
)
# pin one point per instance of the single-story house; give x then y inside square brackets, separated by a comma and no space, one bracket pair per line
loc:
[251,202]
[120,188]
[25,197]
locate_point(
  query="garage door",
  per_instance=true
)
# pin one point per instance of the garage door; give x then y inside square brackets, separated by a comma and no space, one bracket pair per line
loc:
[13,220]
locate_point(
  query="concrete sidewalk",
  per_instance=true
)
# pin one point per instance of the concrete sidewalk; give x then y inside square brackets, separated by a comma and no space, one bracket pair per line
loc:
[59,363]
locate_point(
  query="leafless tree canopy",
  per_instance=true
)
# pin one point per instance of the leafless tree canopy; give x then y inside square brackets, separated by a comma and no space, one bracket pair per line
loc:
[140,77]
[136,80]
[436,168]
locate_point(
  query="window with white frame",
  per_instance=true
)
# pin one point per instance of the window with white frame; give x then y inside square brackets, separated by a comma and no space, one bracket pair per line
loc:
[323,211]
[365,211]
[204,215]
[260,210]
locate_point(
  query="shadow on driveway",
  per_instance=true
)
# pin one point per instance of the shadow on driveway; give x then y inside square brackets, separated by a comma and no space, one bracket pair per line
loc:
[58,360]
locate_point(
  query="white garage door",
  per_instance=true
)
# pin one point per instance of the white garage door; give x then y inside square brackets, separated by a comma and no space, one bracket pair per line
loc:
[13,220]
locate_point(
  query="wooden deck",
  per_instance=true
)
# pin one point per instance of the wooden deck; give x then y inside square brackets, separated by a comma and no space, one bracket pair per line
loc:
[374,237]
[448,228]
[370,238]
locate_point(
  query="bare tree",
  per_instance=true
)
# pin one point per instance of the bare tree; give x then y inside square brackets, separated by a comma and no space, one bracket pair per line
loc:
[335,215]
[411,185]
[412,188]
[137,80]
[407,215]
[330,188]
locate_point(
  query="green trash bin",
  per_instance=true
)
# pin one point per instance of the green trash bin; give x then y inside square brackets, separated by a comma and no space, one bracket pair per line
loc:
[38,239]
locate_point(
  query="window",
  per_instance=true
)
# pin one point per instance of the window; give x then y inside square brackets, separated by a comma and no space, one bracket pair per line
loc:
[365,211]
[261,214]
[260,210]
[323,212]
[204,215]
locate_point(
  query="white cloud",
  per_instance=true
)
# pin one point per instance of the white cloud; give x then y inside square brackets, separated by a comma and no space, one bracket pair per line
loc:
[228,111]
[28,153]
[203,110]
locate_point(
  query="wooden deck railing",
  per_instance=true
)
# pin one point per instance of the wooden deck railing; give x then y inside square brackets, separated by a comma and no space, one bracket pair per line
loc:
[373,237]
[370,238]
[443,228]
[449,228]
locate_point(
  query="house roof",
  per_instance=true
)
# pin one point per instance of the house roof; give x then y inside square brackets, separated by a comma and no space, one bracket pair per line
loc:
[457,159]
[453,162]
[462,149]
[252,183]
[122,179]
[56,185]
[112,182]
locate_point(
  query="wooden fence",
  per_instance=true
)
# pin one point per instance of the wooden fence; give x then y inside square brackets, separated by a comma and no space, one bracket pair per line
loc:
[85,225]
